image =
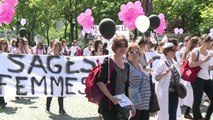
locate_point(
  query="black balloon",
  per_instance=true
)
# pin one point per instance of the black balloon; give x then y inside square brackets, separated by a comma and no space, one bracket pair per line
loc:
[22,32]
[107,28]
[154,21]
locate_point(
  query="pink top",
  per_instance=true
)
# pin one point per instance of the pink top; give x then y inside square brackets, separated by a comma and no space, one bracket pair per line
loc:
[18,51]
[39,51]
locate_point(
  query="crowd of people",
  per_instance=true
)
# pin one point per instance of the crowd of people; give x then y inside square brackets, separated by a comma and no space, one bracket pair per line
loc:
[143,71]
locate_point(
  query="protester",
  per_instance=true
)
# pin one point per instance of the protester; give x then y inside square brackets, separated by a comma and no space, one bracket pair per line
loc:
[188,100]
[49,49]
[139,83]
[39,49]
[65,50]
[159,48]
[75,50]
[185,43]
[87,51]
[166,75]
[13,44]
[98,48]
[27,47]
[105,50]
[56,50]
[4,49]
[203,82]
[119,82]
[21,48]
[150,52]
[142,59]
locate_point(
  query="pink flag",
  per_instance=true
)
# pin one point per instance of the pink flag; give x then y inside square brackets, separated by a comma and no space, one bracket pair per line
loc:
[165,39]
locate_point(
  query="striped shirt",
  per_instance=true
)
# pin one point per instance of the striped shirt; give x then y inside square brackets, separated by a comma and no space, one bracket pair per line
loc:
[138,79]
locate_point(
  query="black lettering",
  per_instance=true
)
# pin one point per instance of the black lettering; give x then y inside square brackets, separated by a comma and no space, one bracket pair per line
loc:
[123,28]
[19,63]
[67,84]
[38,83]
[57,82]
[68,67]
[49,58]
[19,86]
[4,76]
[92,63]
[83,82]
[118,28]
[36,58]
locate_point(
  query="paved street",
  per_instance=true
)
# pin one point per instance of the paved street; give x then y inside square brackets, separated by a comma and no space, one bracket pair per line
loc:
[77,108]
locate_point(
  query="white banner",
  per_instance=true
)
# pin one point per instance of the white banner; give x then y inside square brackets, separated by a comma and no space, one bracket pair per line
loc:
[43,75]
[120,30]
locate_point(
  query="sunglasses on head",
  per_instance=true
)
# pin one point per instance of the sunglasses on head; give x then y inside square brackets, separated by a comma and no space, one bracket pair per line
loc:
[134,52]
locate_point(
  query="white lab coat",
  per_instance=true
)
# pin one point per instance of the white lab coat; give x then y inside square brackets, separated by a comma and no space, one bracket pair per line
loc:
[189,99]
[162,90]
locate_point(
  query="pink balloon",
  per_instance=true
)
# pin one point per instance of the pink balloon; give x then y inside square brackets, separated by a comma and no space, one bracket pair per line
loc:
[11,2]
[6,13]
[181,31]
[161,15]
[162,26]
[122,7]
[88,12]
[86,20]
[176,30]
[129,13]
[130,5]
[137,4]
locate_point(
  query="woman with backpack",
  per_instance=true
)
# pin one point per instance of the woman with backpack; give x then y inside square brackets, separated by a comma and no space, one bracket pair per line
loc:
[119,83]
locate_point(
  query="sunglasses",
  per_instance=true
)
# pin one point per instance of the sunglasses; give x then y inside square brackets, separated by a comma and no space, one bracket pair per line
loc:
[3,43]
[122,46]
[134,52]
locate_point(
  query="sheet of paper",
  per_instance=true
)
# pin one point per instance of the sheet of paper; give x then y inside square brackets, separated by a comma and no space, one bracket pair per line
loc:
[124,100]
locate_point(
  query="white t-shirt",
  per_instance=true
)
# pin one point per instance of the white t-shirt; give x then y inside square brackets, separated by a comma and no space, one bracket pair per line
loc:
[73,50]
[87,52]
[204,72]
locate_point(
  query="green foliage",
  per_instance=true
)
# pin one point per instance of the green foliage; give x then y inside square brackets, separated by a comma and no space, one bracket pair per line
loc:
[207,17]
[195,16]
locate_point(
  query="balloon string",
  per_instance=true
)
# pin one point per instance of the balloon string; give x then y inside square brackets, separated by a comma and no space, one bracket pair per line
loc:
[178,37]
[157,36]
[144,37]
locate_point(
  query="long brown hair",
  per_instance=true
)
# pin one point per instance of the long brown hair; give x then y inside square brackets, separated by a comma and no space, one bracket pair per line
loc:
[192,43]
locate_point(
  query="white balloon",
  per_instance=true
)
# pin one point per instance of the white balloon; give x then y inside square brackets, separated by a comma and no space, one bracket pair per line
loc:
[142,23]
[211,30]
[23,21]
